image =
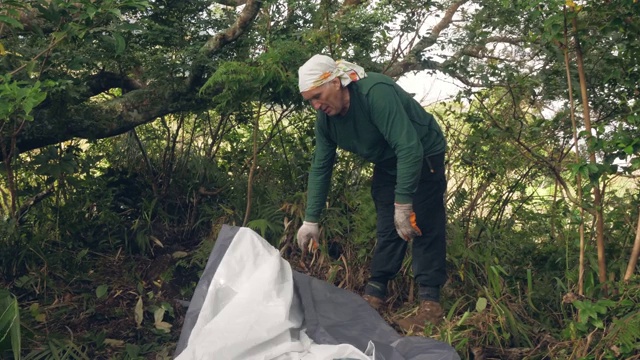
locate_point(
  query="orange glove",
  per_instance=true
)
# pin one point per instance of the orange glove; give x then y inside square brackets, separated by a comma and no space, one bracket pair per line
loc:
[405,221]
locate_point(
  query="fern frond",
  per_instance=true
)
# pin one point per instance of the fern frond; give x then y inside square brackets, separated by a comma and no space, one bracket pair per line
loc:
[624,334]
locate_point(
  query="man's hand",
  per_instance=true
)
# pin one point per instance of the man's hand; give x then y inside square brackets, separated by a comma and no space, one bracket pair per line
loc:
[405,221]
[308,231]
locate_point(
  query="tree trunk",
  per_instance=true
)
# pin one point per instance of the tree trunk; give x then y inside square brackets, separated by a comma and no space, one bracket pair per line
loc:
[597,195]
[574,127]
[634,253]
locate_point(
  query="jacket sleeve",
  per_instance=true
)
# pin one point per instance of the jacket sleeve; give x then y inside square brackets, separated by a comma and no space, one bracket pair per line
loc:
[320,173]
[390,117]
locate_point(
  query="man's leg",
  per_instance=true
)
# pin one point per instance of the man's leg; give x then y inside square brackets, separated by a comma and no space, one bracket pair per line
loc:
[429,249]
[390,248]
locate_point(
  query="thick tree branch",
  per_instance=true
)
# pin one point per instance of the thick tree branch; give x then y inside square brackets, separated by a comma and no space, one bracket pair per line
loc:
[352,3]
[218,41]
[414,61]
[234,3]
[248,14]
[428,41]
[55,122]
[34,200]
[106,80]
[404,67]
[480,50]
[97,120]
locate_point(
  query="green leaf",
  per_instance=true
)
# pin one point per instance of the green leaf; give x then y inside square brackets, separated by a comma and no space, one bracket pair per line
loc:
[481,304]
[11,21]
[464,317]
[91,11]
[598,323]
[101,291]
[158,315]
[59,35]
[10,321]
[41,318]
[607,303]
[82,254]
[584,171]
[120,43]
[116,12]
[30,66]
[132,351]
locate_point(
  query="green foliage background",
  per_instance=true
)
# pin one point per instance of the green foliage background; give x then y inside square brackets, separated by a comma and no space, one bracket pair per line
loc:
[103,235]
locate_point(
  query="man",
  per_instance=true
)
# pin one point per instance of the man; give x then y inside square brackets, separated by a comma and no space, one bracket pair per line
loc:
[370,115]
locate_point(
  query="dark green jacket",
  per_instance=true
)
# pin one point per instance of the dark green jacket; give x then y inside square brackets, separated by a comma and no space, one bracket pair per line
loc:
[383,122]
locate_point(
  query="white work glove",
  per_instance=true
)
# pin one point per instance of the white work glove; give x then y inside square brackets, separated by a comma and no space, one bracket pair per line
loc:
[308,231]
[405,221]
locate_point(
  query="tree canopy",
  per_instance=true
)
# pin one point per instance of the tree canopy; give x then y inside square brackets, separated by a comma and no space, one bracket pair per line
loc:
[138,127]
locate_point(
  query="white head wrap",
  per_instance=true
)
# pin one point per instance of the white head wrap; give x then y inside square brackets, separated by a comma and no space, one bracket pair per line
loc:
[321,69]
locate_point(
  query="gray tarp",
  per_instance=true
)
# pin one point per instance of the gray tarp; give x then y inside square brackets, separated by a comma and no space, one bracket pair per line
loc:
[331,315]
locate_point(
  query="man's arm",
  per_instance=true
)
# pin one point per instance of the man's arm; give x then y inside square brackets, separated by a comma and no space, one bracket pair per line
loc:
[320,173]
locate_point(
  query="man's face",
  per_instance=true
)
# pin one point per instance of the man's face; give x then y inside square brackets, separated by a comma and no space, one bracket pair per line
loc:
[326,97]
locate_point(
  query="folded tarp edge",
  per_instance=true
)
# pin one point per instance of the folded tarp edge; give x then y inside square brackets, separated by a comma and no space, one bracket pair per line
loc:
[225,237]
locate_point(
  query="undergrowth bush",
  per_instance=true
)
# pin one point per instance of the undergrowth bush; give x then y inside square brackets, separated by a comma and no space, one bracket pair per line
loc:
[140,226]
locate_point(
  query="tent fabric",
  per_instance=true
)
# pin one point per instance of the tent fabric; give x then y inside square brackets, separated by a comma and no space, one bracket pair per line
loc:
[250,304]
[250,311]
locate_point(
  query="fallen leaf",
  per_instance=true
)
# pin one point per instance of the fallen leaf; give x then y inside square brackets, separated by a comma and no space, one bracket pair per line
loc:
[138,312]
[156,241]
[179,254]
[163,325]
[114,342]
[158,315]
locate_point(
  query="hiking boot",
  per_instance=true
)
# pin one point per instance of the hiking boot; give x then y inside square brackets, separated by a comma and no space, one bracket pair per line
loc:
[428,312]
[374,301]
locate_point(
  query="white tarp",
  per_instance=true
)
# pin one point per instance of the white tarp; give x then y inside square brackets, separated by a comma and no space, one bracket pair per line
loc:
[250,311]
[246,307]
